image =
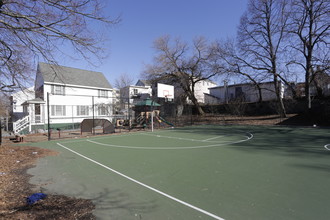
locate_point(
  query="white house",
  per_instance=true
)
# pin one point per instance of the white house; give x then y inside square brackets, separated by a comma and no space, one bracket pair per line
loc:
[135,93]
[17,99]
[71,94]
[201,88]
[131,95]
[246,92]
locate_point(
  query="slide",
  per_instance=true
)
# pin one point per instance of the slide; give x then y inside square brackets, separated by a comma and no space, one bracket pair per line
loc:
[162,119]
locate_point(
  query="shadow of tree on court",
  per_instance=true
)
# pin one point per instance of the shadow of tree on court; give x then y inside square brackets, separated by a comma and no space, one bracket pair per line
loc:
[116,199]
[212,129]
[286,141]
[292,142]
[316,167]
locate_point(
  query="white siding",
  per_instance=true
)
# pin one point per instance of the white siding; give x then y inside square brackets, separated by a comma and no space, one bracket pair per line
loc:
[19,97]
[248,91]
[77,96]
[133,93]
[201,88]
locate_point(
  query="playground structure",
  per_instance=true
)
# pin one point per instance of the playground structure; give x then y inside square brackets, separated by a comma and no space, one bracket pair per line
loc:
[147,116]
[147,112]
[145,119]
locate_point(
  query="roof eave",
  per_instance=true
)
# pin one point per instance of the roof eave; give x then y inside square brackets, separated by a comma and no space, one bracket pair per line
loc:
[78,86]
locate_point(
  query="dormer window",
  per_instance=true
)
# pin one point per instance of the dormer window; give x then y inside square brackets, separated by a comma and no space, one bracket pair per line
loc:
[103,93]
[58,90]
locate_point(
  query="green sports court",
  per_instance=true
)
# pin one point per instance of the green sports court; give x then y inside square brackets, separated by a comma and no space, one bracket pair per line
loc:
[196,172]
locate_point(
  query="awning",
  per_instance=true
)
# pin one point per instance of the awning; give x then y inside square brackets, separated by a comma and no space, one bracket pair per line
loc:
[34,101]
[147,102]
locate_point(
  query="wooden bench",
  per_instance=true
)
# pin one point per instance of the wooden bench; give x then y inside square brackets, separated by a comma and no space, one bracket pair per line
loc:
[20,137]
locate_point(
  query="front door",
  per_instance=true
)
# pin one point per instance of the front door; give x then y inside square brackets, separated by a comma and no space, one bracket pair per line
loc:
[37,113]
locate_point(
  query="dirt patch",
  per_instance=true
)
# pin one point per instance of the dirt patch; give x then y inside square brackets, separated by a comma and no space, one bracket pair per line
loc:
[15,188]
[229,120]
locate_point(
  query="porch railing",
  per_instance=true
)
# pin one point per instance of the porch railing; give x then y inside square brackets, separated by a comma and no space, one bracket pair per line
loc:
[21,124]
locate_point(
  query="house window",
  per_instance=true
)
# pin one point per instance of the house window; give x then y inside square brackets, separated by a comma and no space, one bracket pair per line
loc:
[135,91]
[57,90]
[103,110]
[37,109]
[238,91]
[103,93]
[58,110]
[82,110]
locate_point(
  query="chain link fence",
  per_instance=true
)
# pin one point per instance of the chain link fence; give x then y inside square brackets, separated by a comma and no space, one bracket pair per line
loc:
[61,115]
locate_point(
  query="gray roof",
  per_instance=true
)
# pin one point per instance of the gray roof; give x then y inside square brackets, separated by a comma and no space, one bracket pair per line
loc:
[32,101]
[67,75]
[143,83]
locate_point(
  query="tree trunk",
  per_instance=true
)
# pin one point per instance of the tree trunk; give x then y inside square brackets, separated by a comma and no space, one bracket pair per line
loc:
[260,93]
[190,90]
[307,90]
[193,99]
[198,107]
[281,106]
[179,110]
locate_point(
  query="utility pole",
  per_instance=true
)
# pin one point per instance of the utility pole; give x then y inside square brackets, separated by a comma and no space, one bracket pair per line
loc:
[225,83]
[129,112]
[93,129]
[0,132]
[48,118]
[152,115]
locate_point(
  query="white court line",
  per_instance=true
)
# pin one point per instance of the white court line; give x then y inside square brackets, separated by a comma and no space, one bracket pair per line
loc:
[118,135]
[174,148]
[327,146]
[101,137]
[179,138]
[212,138]
[144,185]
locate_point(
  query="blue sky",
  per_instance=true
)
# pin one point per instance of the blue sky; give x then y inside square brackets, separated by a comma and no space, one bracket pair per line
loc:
[143,21]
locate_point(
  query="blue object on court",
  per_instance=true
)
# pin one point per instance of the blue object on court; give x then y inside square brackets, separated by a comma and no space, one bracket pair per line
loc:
[35,197]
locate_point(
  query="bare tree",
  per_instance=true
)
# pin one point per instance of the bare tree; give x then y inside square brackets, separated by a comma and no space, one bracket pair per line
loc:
[184,65]
[260,38]
[321,80]
[310,26]
[33,29]
[4,110]
[236,65]
[123,81]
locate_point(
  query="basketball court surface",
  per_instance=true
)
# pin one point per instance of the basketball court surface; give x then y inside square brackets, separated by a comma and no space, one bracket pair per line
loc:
[197,172]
